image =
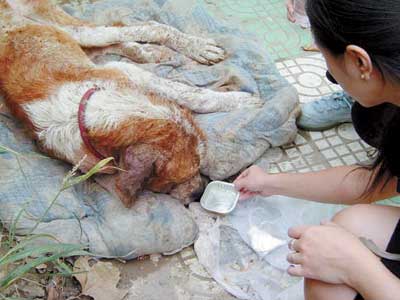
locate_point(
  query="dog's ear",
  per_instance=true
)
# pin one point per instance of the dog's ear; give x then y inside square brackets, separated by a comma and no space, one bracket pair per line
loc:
[137,164]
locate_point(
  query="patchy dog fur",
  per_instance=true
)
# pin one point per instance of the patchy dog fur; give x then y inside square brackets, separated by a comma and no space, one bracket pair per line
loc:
[140,119]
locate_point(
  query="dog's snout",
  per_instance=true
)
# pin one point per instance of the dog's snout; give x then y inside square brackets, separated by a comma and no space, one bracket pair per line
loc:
[196,195]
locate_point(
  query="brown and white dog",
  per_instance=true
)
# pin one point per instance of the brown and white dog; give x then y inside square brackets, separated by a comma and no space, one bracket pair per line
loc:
[74,108]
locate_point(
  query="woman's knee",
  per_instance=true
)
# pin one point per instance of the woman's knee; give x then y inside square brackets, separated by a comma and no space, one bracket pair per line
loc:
[353,218]
[317,290]
[375,222]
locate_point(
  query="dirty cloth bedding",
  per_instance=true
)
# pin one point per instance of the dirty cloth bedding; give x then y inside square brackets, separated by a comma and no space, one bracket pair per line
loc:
[157,223]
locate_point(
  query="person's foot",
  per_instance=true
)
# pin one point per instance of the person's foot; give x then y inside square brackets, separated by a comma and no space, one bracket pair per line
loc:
[326,112]
[290,11]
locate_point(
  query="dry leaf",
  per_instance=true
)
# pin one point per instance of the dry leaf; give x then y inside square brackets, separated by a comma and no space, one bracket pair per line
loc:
[2,274]
[82,265]
[42,268]
[54,289]
[100,280]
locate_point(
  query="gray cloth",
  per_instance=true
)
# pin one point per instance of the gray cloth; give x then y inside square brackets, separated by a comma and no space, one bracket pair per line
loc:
[157,223]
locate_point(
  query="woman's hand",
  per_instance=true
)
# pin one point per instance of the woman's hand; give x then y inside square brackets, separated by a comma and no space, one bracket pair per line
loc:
[252,182]
[327,253]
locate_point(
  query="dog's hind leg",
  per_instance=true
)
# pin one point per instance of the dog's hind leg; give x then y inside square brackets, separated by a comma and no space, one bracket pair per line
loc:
[205,51]
[196,99]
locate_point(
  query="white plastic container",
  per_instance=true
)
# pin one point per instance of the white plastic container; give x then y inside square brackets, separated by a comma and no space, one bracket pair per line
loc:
[220,197]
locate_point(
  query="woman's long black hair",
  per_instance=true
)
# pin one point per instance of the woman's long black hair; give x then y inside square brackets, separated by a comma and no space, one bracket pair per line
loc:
[373,25]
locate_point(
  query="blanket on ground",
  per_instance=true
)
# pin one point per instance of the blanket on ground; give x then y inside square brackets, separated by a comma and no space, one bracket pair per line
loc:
[157,223]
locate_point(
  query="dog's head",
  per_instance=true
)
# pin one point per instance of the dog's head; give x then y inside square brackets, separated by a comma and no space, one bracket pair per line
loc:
[174,169]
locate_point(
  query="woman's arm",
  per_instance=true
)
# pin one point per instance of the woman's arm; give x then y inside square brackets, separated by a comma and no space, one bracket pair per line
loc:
[344,185]
[341,185]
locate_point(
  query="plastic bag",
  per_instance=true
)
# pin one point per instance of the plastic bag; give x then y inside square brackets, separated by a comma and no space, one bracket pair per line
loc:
[246,251]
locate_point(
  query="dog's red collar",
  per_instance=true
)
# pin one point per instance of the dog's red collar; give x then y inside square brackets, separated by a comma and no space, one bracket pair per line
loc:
[81,122]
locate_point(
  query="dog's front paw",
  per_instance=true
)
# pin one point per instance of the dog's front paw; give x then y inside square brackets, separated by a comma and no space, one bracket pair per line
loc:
[204,51]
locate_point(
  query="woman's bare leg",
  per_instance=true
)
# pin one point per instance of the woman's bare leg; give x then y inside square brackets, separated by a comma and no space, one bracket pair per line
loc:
[375,222]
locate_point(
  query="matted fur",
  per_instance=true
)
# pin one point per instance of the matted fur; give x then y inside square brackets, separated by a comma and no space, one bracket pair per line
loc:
[44,73]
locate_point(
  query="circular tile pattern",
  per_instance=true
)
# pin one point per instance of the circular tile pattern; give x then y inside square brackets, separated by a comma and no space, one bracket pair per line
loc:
[307,74]
[310,80]
[348,132]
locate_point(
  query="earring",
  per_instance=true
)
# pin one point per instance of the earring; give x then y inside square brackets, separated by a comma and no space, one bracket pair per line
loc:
[363,77]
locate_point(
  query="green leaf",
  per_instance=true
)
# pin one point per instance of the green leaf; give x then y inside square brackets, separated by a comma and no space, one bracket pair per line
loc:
[64,267]
[35,252]
[25,242]
[21,270]
[13,227]
[4,149]
[67,270]
[78,179]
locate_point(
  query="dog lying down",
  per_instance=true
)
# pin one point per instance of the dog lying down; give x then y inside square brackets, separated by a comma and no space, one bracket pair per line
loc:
[74,108]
